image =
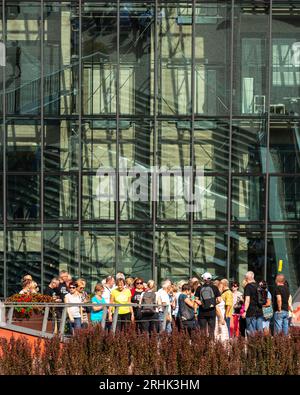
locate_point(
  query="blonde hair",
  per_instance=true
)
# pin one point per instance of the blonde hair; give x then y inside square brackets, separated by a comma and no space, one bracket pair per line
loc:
[151,285]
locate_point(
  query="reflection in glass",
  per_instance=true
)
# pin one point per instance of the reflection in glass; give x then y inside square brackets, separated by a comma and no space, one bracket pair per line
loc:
[23,61]
[135,253]
[249,146]
[60,197]
[23,145]
[246,254]
[284,199]
[250,58]
[61,145]
[1,264]
[23,197]
[209,253]
[248,201]
[212,53]
[61,57]
[61,252]
[211,145]
[23,257]
[97,256]
[284,147]
[175,58]
[172,251]
[285,247]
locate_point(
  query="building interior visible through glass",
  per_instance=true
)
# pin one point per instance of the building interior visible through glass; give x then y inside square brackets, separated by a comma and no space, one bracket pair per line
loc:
[213,85]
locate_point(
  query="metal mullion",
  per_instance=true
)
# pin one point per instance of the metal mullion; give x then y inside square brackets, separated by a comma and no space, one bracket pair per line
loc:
[192,164]
[229,192]
[42,31]
[154,179]
[4,159]
[117,140]
[269,70]
[80,71]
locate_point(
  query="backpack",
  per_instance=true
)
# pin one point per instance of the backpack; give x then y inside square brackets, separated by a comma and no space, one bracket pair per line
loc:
[185,312]
[262,296]
[207,297]
[149,297]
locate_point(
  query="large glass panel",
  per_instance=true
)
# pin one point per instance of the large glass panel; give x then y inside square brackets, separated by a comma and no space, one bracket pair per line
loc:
[172,252]
[211,198]
[246,253]
[23,68]
[209,253]
[174,57]
[23,197]
[60,197]
[23,145]
[284,199]
[99,51]
[97,255]
[136,57]
[285,88]
[249,142]
[211,145]
[61,252]
[283,257]
[212,57]
[284,146]
[2,285]
[23,257]
[61,145]
[2,60]
[61,57]
[135,253]
[250,57]
[248,198]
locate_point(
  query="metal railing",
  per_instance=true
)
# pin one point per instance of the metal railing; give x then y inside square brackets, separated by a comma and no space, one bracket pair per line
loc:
[56,316]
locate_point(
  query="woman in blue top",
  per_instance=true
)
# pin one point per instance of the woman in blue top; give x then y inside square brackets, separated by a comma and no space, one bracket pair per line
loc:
[97,311]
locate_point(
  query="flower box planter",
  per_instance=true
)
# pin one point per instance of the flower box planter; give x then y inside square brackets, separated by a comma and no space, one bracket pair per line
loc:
[35,322]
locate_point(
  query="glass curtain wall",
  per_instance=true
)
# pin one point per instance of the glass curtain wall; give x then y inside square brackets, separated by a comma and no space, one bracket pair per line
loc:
[95,95]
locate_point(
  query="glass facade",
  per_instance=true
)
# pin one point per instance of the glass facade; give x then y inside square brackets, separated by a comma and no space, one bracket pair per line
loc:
[89,85]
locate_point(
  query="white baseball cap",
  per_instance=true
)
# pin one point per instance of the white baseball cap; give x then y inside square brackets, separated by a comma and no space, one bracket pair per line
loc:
[206,276]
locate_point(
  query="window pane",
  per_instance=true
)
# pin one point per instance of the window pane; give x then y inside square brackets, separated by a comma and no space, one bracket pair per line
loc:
[23,197]
[61,58]
[23,68]
[23,257]
[2,285]
[61,252]
[175,58]
[99,51]
[212,53]
[248,198]
[284,199]
[61,194]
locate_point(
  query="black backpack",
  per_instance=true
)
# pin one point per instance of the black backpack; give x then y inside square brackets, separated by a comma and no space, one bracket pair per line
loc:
[185,312]
[207,297]
[149,297]
[262,296]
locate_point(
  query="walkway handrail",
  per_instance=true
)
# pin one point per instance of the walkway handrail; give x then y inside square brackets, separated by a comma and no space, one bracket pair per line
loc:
[6,318]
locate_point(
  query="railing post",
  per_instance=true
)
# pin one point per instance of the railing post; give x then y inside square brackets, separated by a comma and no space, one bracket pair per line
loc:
[115,319]
[104,315]
[45,319]
[164,324]
[2,314]
[63,321]
[10,314]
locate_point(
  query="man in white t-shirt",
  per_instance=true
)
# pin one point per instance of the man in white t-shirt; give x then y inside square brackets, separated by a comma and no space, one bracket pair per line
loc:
[108,286]
[163,299]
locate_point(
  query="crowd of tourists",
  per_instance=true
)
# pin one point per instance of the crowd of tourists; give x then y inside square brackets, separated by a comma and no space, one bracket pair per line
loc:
[216,307]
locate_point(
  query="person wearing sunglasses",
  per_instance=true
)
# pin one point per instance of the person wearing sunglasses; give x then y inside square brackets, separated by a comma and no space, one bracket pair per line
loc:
[85,299]
[74,313]
[136,298]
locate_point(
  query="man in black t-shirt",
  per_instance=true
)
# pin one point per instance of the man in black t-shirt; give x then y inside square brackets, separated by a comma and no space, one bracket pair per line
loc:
[253,311]
[281,305]
[64,279]
[52,289]
[207,296]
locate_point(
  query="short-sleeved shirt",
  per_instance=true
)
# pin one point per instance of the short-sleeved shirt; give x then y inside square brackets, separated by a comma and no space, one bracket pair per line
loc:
[285,294]
[97,315]
[254,310]
[122,297]
[227,296]
[209,312]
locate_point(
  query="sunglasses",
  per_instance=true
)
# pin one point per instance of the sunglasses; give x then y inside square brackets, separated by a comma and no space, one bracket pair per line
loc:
[138,283]
[72,287]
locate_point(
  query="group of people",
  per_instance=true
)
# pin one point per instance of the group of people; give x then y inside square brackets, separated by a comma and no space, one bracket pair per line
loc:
[217,308]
